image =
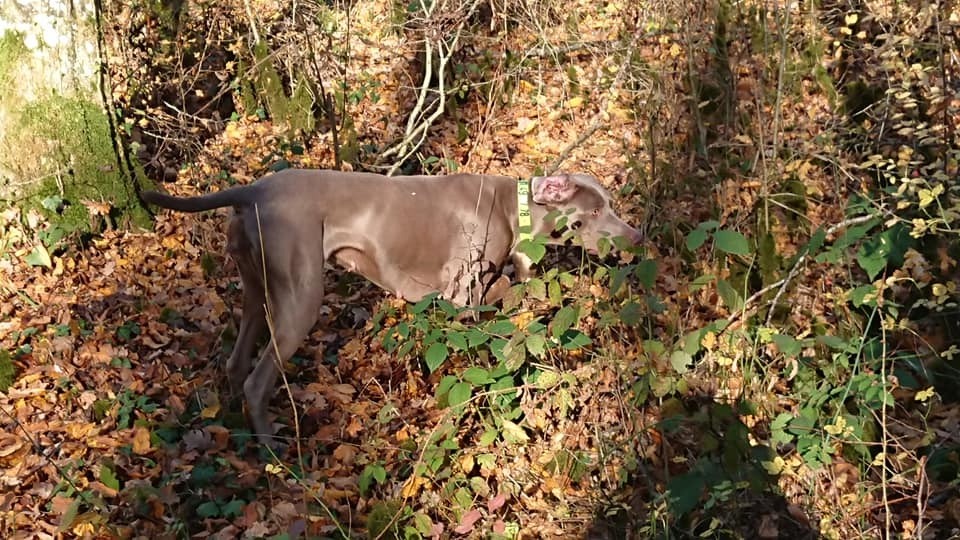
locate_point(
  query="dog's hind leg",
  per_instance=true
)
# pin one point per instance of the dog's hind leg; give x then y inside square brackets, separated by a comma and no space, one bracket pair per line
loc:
[253,320]
[293,311]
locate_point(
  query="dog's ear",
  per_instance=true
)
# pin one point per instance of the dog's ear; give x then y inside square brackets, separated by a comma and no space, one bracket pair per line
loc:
[553,189]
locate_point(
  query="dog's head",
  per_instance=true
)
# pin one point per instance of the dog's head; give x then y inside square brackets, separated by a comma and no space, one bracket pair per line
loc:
[578,203]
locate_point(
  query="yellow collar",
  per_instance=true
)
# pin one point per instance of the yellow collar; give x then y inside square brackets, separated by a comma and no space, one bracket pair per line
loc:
[523,210]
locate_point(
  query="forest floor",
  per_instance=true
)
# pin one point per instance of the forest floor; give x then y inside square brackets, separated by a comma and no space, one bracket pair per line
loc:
[119,421]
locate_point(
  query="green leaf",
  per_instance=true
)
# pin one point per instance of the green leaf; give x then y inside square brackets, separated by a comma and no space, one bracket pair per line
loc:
[778,428]
[66,521]
[489,437]
[52,202]
[514,353]
[533,249]
[691,341]
[696,238]
[574,339]
[445,385]
[768,260]
[888,247]
[855,233]
[547,379]
[617,277]
[872,264]
[233,508]
[435,356]
[537,289]
[512,433]
[681,361]
[108,477]
[459,394]
[788,345]
[685,491]
[565,318]
[39,256]
[567,279]
[477,376]
[554,294]
[603,247]
[423,524]
[646,272]
[423,304]
[536,345]
[458,340]
[501,327]
[475,338]
[731,297]
[864,295]
[630,313]
[700,282]
[405,349]
[371,472]
[732,242]
[208,509]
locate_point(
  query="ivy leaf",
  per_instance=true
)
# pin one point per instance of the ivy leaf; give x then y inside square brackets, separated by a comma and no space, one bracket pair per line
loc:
[575,339]
[233,508]
[630,313]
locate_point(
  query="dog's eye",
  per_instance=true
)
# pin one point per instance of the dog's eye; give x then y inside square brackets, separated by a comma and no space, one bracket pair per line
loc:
[575,225]
[595,212]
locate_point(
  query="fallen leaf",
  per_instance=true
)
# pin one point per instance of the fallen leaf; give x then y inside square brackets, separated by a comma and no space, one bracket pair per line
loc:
[467,521]
[496,502]
[141,440]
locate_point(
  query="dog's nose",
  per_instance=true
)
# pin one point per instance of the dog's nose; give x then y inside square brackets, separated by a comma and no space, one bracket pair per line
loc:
[634,236]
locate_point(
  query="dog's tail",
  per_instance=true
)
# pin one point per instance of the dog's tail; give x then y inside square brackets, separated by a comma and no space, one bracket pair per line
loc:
[234,196]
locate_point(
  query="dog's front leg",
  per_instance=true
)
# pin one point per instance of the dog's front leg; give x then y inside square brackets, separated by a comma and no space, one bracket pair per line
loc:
[522,266]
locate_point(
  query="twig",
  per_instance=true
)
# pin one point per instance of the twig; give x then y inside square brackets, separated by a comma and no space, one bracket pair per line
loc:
[598,117]
[253,21]
[417,123]
[803,258]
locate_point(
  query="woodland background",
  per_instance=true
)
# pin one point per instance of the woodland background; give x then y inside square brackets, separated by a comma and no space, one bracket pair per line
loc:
[779,359]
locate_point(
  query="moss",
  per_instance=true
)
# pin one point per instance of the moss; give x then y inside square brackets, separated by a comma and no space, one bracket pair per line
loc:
[76,137]
[11,50]
[266,89]
[8,371]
